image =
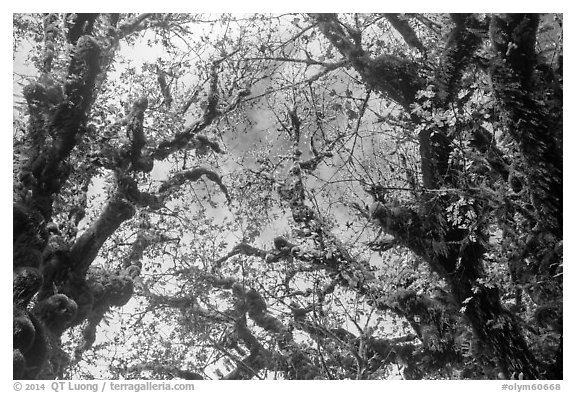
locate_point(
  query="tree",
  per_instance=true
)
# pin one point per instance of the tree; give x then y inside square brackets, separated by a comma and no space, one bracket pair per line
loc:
[299,197]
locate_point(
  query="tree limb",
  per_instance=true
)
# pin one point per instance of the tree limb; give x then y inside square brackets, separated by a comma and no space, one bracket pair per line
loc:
[193,175]
[403,27]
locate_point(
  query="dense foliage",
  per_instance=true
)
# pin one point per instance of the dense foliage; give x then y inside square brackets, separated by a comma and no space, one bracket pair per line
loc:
[318,196]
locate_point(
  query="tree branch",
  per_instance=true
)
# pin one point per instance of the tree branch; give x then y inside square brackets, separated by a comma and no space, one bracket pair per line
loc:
[403,27]
[193,175]
[211,112]
[133,25]
[87,246]
[391,75]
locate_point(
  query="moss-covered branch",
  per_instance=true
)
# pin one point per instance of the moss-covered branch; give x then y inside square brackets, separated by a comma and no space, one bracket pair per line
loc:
[195,174]
[211,112]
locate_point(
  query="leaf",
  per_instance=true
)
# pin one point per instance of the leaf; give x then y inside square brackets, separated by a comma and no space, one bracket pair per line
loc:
[352,114]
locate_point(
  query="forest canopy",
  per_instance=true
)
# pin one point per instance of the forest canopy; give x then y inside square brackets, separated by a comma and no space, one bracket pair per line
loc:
[288,196]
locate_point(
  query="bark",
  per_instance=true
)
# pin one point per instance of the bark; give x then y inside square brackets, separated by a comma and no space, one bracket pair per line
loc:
[58,114]
[533,125]
[391,75]
[401,25]
[460,259]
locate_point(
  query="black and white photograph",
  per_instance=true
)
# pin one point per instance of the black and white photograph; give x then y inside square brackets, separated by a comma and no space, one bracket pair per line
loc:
[287,196]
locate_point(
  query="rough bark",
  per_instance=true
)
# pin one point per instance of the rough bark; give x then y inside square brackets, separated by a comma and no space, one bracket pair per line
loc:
[461,259]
